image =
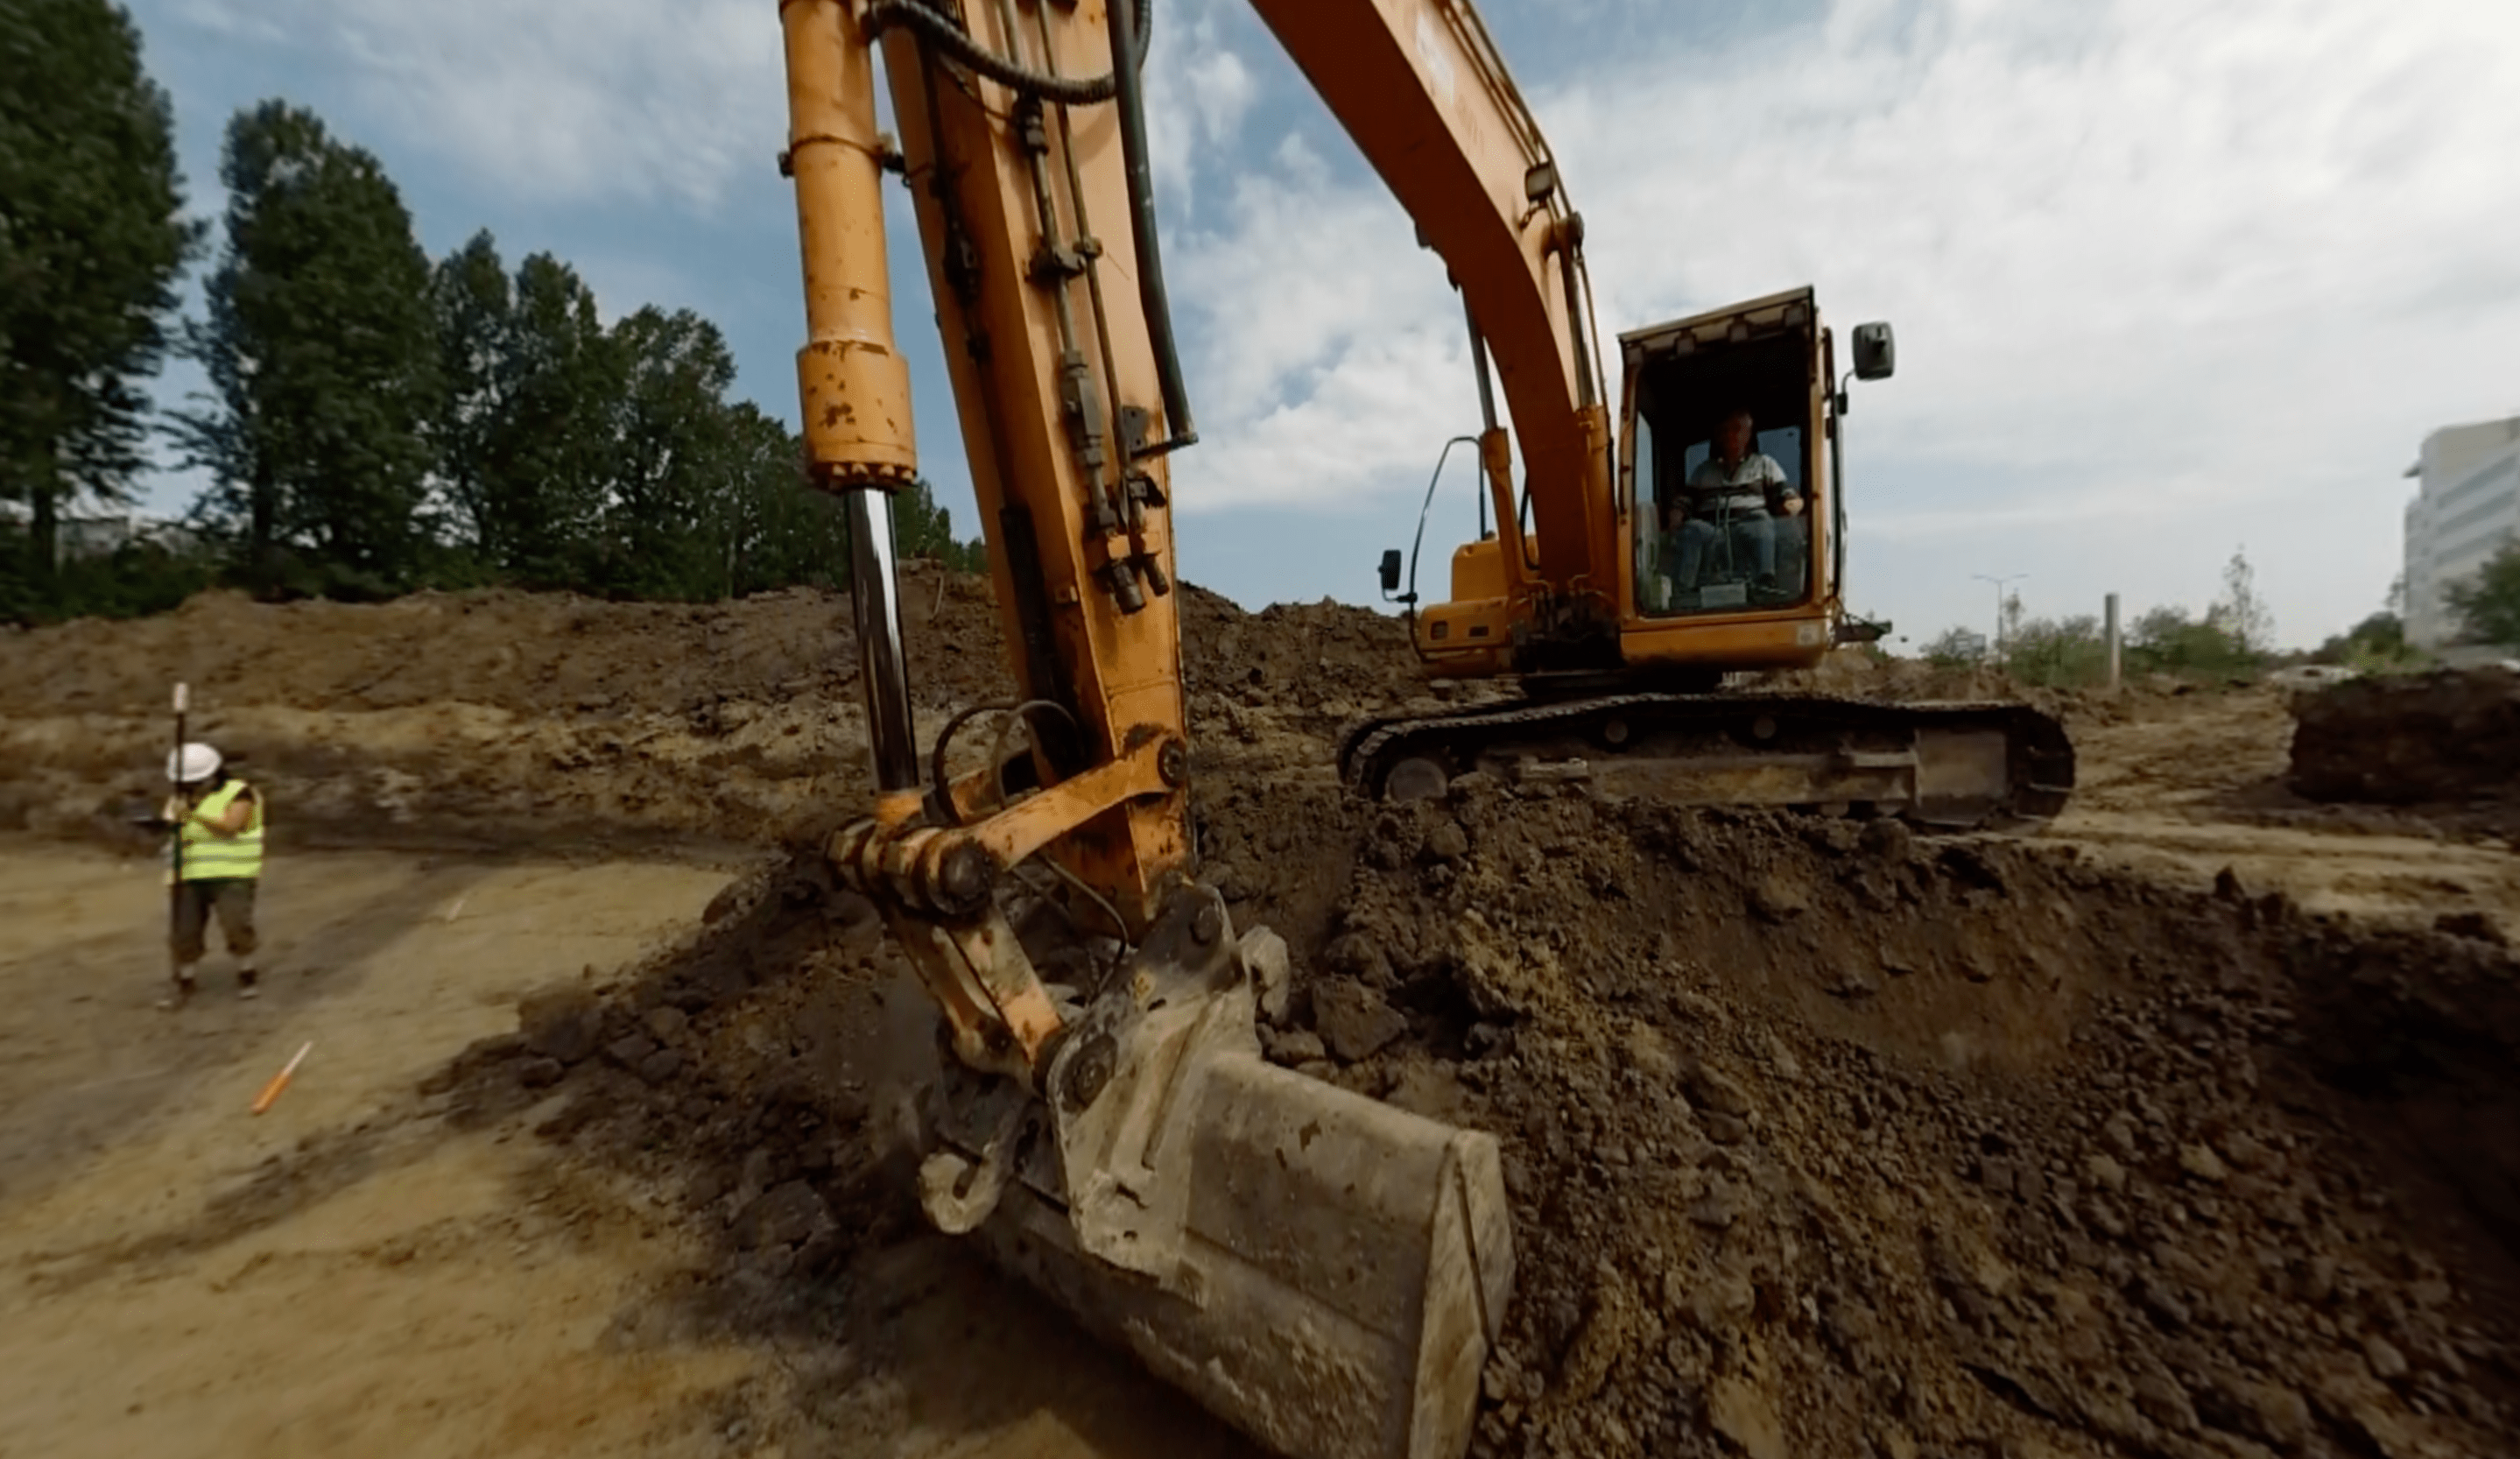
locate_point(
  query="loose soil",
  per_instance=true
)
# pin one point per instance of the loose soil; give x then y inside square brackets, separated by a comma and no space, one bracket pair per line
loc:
[2443,746]
[2188,1128]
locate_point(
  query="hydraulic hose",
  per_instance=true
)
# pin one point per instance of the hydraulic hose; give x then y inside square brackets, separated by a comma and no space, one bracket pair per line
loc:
[941,31]
[1127,18]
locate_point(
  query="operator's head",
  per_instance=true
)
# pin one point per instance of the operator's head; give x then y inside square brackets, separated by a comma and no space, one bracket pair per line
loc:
[1732,440]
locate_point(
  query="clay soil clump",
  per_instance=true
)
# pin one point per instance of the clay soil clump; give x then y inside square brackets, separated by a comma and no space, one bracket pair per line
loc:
[1820,1138]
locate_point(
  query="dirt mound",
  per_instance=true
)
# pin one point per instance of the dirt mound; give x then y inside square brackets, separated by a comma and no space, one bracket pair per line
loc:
[1860,673]
[555,654]
[1822,1138]
[2445,739]
[485,719]
[535,653]
[1294,654]
[1819,1139]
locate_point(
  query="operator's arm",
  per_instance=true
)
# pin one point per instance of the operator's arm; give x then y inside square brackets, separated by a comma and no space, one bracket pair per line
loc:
[1789,501]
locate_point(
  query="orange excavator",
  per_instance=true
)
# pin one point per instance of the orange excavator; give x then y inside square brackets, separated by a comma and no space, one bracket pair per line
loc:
[1326,1272]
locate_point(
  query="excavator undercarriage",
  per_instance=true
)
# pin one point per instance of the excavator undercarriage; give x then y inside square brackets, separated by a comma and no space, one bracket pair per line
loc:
[1943,766]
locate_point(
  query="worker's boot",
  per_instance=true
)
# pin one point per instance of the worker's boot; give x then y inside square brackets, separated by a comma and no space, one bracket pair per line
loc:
[248,984]
[179,995]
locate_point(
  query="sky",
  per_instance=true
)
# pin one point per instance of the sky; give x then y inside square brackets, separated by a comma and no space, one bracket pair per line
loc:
[2171,281]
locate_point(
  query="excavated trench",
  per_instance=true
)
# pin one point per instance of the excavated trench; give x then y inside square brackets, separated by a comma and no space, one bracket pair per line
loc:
[1821,1138]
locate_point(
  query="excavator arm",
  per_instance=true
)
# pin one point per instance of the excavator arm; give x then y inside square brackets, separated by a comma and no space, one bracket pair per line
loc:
[1326,1272]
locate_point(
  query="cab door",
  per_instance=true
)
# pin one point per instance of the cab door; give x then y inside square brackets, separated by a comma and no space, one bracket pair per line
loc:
[1682,378]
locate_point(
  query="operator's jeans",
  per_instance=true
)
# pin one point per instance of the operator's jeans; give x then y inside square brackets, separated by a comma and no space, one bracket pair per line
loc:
[1754,545]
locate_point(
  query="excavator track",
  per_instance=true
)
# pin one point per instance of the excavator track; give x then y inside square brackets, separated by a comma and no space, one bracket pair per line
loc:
[1945,766]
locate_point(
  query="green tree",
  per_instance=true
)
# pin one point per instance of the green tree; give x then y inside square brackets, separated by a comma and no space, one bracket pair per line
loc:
[323,359]
[555,448]
[1955,647]
[923,528]
[2376,644]
[676,478]
[2170,640]
[2240,613]
[92,240]
[777,530]
[2487,604]
[474,313]
[2059,653]
[526,420]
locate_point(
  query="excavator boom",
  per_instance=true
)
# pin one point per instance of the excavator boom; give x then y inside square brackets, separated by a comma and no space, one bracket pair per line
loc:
[1326,1272]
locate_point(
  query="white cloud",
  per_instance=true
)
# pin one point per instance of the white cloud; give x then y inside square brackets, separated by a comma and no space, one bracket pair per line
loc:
[560,99]
[1193,73]
[2167,277]
[1327,359]
[647,99]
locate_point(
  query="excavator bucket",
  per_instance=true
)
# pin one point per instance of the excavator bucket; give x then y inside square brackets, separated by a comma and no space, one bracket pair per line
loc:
[1324,1272]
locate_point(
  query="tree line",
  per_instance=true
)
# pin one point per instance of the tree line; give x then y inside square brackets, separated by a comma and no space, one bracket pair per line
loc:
[2232,639]
[375,420]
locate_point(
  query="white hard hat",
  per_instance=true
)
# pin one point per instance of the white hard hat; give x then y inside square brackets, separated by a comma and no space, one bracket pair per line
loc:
[192,764]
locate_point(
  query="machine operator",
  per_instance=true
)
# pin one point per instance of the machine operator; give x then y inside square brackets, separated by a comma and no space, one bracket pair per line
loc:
[1736,488]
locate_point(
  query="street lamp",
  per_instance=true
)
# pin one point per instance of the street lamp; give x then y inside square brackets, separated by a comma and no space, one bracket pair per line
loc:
[1999,605]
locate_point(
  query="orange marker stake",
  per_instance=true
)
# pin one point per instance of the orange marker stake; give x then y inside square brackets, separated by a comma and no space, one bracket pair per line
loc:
[279,1081]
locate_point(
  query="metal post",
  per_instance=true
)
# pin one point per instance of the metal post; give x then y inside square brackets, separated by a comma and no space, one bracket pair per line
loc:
[1999,605]
[2109,622]
[175,852]
[874,592]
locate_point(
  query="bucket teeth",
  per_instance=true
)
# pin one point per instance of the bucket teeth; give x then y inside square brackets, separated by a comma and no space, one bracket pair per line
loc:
[1324,1272]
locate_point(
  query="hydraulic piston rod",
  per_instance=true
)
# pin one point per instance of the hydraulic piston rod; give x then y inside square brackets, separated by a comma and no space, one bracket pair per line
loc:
[875,593]
[851,380]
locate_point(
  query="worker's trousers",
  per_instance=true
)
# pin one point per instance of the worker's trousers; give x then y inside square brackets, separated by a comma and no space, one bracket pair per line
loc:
[232,898]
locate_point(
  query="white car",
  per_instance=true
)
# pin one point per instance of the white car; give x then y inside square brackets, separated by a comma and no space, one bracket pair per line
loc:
[2302,676]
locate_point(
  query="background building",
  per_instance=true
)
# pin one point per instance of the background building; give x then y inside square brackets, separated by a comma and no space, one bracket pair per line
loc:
[2467,507]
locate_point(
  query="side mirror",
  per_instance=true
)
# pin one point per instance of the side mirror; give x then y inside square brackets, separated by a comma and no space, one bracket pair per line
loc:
[1390,570]
[1876,354]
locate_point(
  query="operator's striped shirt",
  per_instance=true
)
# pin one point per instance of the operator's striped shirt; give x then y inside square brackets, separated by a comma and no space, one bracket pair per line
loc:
[1743,487]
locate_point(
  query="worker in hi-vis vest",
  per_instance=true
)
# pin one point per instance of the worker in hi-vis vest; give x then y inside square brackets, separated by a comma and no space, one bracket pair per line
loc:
[219,818]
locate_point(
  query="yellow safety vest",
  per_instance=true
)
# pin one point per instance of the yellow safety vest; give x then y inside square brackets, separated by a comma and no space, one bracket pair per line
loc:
[212,858]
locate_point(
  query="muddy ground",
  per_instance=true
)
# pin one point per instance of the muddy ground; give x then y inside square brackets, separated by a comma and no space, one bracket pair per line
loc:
[2188,1128]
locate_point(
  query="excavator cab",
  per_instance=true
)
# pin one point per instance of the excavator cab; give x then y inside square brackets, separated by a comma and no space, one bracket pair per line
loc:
[1732,563]
[1708,580]
[1714,535]
[1716,545]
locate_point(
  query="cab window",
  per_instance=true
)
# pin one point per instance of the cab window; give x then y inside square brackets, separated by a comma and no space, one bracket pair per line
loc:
[1719,532]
